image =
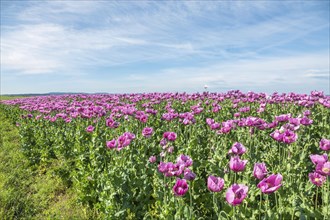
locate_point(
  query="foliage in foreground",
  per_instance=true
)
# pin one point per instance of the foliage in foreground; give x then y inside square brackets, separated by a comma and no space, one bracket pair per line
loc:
[31,192]
[181,156]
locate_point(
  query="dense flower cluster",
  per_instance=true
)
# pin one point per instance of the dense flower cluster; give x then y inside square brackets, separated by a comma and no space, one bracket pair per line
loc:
[122,141]
[322,165]
[162,129]
[268,184]
[176,169]
[170,169]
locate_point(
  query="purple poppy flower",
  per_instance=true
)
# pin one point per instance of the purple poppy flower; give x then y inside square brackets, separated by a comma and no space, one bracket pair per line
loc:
[317,179]
[277,135]
[215,184]
[216,109]
[251,121]
[236,164]
[171,136]
[67,120]
[306,121]
[209,121]
[181,187]
[270,184]
[147,132]
[260,170]
[170,169]
[289,137]
[244,109]
[174,170]
[163,142]
[272,124]
[325,144]
[237,114]
[90,129]
[143,118]
[162,167]
[237,149]
[284,117]
[323,168]
[165,135]
[236,193]
[224,130]
[129,135]
[152,159]
[260,110]
[189,175]
[317,93]
[290,127]
[307,113]
[294,121]
[316,159]
[215,126]
[123,141]
[185,160]
[111,144]
[111,123]
[170,149]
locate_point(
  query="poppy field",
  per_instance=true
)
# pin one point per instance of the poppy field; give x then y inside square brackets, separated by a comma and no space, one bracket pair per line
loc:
[230,155]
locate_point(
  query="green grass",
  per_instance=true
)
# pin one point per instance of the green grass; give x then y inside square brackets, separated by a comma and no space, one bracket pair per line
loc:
[28,192]
[9,97]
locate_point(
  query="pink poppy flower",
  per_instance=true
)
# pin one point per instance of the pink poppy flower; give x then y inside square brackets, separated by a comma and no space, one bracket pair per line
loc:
[260,170]
[236,164]
[237,149]
[317,179]
[181,187]
[325,144]
[215,184]
[270,184]
[236,193]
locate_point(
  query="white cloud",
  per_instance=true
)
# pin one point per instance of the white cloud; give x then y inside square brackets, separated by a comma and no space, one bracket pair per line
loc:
[254,73]
[221,44]
[46,48]
[26,50]
[57,11]
[318,74]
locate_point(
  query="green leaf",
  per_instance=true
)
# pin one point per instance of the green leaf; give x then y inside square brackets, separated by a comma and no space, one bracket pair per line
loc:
[120,213]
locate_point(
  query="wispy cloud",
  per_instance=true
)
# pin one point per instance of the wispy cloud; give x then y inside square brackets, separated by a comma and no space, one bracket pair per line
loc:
[144,45]
[323,74]
[254,73]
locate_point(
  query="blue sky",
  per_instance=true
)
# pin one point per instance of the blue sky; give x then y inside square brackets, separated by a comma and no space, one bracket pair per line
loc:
[168,46]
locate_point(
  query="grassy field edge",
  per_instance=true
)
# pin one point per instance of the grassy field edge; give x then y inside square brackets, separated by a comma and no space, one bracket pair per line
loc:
[28,192]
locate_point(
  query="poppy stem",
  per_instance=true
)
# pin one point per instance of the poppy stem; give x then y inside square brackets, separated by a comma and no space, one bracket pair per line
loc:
[234,213]
[191,206]
[165,200]
[260,205]
[317,194]
[327,195]
[276,202]
[215,205]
